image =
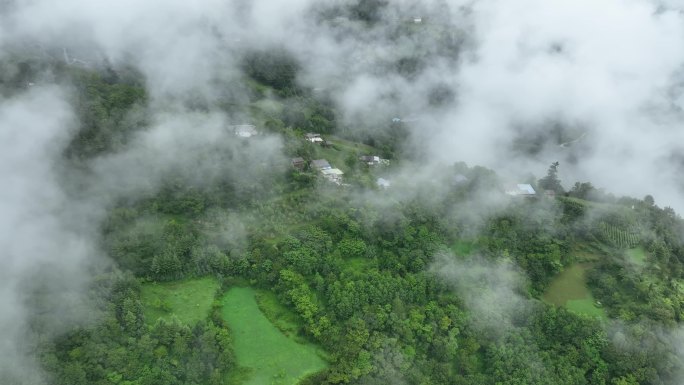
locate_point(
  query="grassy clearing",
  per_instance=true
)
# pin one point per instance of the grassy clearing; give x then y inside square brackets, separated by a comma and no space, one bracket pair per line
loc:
[335,157]
[266,354]
[189,300]
[585,306]
[570,289]
[463,248]
[637,256]
[350,146]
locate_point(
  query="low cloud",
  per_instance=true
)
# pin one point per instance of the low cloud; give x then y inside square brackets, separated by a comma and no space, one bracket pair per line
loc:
[491,290]
[45,249]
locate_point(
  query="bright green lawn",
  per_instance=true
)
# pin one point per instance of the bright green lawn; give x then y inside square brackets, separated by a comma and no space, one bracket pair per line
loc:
[585,306]
[570,289]
[189,300]
[637,256]
[271,357]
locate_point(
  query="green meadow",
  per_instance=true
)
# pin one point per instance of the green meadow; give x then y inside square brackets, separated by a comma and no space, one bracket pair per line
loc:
[188,300]
[570,289]
[267,355]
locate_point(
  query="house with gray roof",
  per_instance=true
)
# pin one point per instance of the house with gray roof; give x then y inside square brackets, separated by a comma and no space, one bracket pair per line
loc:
[521,190]
[320,164]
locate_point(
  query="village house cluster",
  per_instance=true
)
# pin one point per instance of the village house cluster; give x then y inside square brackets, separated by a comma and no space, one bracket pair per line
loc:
[331,173]
[335,175]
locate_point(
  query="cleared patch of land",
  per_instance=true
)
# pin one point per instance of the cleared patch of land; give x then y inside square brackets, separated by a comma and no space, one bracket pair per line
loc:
[570,289]
[585,306]
[341,149]
[268,355]
[637,256]
[188,300]
[463,248]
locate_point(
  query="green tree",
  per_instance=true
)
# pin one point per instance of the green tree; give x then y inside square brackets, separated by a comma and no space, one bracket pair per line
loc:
[551,181]
[582,190]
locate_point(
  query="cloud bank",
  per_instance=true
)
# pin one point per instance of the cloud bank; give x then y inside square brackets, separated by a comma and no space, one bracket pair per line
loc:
[43,245]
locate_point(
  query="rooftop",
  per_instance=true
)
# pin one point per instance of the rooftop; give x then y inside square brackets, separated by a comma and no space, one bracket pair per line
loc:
[332,171]
[520,189]
[320,164]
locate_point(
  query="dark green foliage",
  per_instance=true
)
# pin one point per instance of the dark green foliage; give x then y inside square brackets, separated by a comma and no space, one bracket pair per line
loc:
[121,349]
[109,111]
[359,273]
[583,190]
[356,275]
[275,68]
[573,209]
[551,181]
[524,233]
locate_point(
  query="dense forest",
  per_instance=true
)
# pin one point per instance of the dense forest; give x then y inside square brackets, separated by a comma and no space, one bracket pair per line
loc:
[419,288]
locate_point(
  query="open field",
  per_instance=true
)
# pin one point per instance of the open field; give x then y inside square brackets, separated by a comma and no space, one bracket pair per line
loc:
[189,300]
[268,356]
[569,289]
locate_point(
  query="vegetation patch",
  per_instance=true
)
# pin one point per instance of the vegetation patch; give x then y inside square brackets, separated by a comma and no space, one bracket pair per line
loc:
[268,355]
[359,264]
[585,306]
[280,316]
[188,300]
[637,256]
[570,289]
[617,236]
[463,248]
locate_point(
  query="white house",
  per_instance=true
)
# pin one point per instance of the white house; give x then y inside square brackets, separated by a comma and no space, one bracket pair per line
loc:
[314,138]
